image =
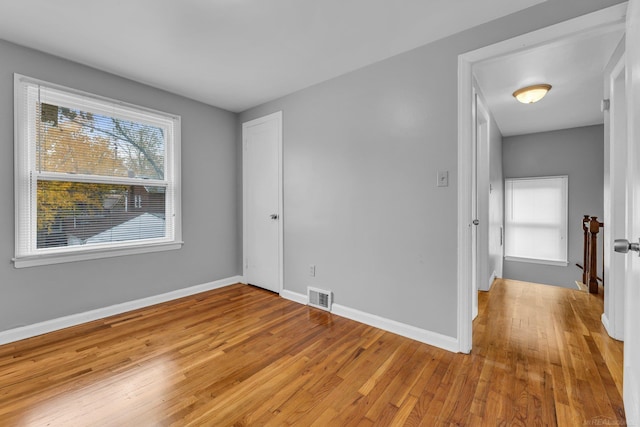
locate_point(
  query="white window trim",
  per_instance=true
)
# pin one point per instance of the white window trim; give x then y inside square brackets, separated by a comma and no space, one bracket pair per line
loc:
[24,224]
[565,261]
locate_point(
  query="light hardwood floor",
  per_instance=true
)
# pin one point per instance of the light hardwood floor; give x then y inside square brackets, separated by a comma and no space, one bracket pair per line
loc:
[243,356]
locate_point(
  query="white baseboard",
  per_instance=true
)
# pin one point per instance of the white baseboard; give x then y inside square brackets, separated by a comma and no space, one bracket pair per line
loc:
[607,326]
[294,296]
[605,323]
[418,334]
[492,279]
[432,338]
[29,331]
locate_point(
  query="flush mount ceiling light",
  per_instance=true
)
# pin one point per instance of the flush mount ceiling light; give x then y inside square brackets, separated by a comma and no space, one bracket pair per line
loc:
[531,94]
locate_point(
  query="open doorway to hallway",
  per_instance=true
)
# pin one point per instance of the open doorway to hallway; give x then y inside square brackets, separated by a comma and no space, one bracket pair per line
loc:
[559,138]
[606,26]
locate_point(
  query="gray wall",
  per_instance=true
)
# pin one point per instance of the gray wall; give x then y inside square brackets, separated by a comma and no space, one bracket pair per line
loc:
[576,152]
[209,189]
[361,154]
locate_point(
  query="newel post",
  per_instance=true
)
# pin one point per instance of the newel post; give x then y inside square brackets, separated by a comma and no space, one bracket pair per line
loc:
[585,250]
[594,228]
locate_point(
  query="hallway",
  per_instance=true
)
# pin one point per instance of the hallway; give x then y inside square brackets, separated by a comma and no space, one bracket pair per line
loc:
[548,358]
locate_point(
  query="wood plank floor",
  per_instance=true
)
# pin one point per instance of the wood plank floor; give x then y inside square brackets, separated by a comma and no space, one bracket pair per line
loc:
[243,356]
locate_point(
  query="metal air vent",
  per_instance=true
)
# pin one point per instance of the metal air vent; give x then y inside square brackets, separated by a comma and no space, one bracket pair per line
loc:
[319,298]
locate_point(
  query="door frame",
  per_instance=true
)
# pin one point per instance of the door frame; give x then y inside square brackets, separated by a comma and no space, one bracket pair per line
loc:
[631,367]
[602,20]
[277,118]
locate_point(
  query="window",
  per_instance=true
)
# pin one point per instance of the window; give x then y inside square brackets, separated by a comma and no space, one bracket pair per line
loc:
[93,177]
[536,219]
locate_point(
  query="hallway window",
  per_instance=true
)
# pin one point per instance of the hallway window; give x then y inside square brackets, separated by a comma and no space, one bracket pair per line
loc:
[536,219]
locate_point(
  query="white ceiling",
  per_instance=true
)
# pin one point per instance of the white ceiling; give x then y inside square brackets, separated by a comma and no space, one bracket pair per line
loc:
[236,54]
[573,66]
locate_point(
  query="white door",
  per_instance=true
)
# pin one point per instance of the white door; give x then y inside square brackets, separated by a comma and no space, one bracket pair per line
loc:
[474,215]
[262,201]
[632,290]
[480,205]
[482,202]
[615,178]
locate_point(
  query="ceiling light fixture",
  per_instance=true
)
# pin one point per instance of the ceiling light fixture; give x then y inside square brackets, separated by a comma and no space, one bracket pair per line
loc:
[531,94]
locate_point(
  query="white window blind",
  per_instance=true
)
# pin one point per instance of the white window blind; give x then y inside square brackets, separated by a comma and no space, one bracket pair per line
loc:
[536,219]
[94,177]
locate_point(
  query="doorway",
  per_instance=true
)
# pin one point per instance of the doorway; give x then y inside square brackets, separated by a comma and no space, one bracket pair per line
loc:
[612,17]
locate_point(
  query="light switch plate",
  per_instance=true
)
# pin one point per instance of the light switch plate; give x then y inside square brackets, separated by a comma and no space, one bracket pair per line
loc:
[443,178]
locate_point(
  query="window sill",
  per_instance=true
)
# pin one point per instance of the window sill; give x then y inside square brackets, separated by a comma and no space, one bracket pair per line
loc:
[58,258]
[537,261]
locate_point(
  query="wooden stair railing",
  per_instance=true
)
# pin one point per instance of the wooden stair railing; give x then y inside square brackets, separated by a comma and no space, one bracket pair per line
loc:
[591,227]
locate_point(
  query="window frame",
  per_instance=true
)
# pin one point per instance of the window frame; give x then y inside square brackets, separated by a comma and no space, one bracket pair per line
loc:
[26,176]
[564,227]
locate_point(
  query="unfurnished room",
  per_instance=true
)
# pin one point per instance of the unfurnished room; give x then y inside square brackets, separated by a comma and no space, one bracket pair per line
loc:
[329,213]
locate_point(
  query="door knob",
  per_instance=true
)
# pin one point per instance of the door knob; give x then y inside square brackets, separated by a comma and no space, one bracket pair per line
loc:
[274,216]
[476,222]
[623,246]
